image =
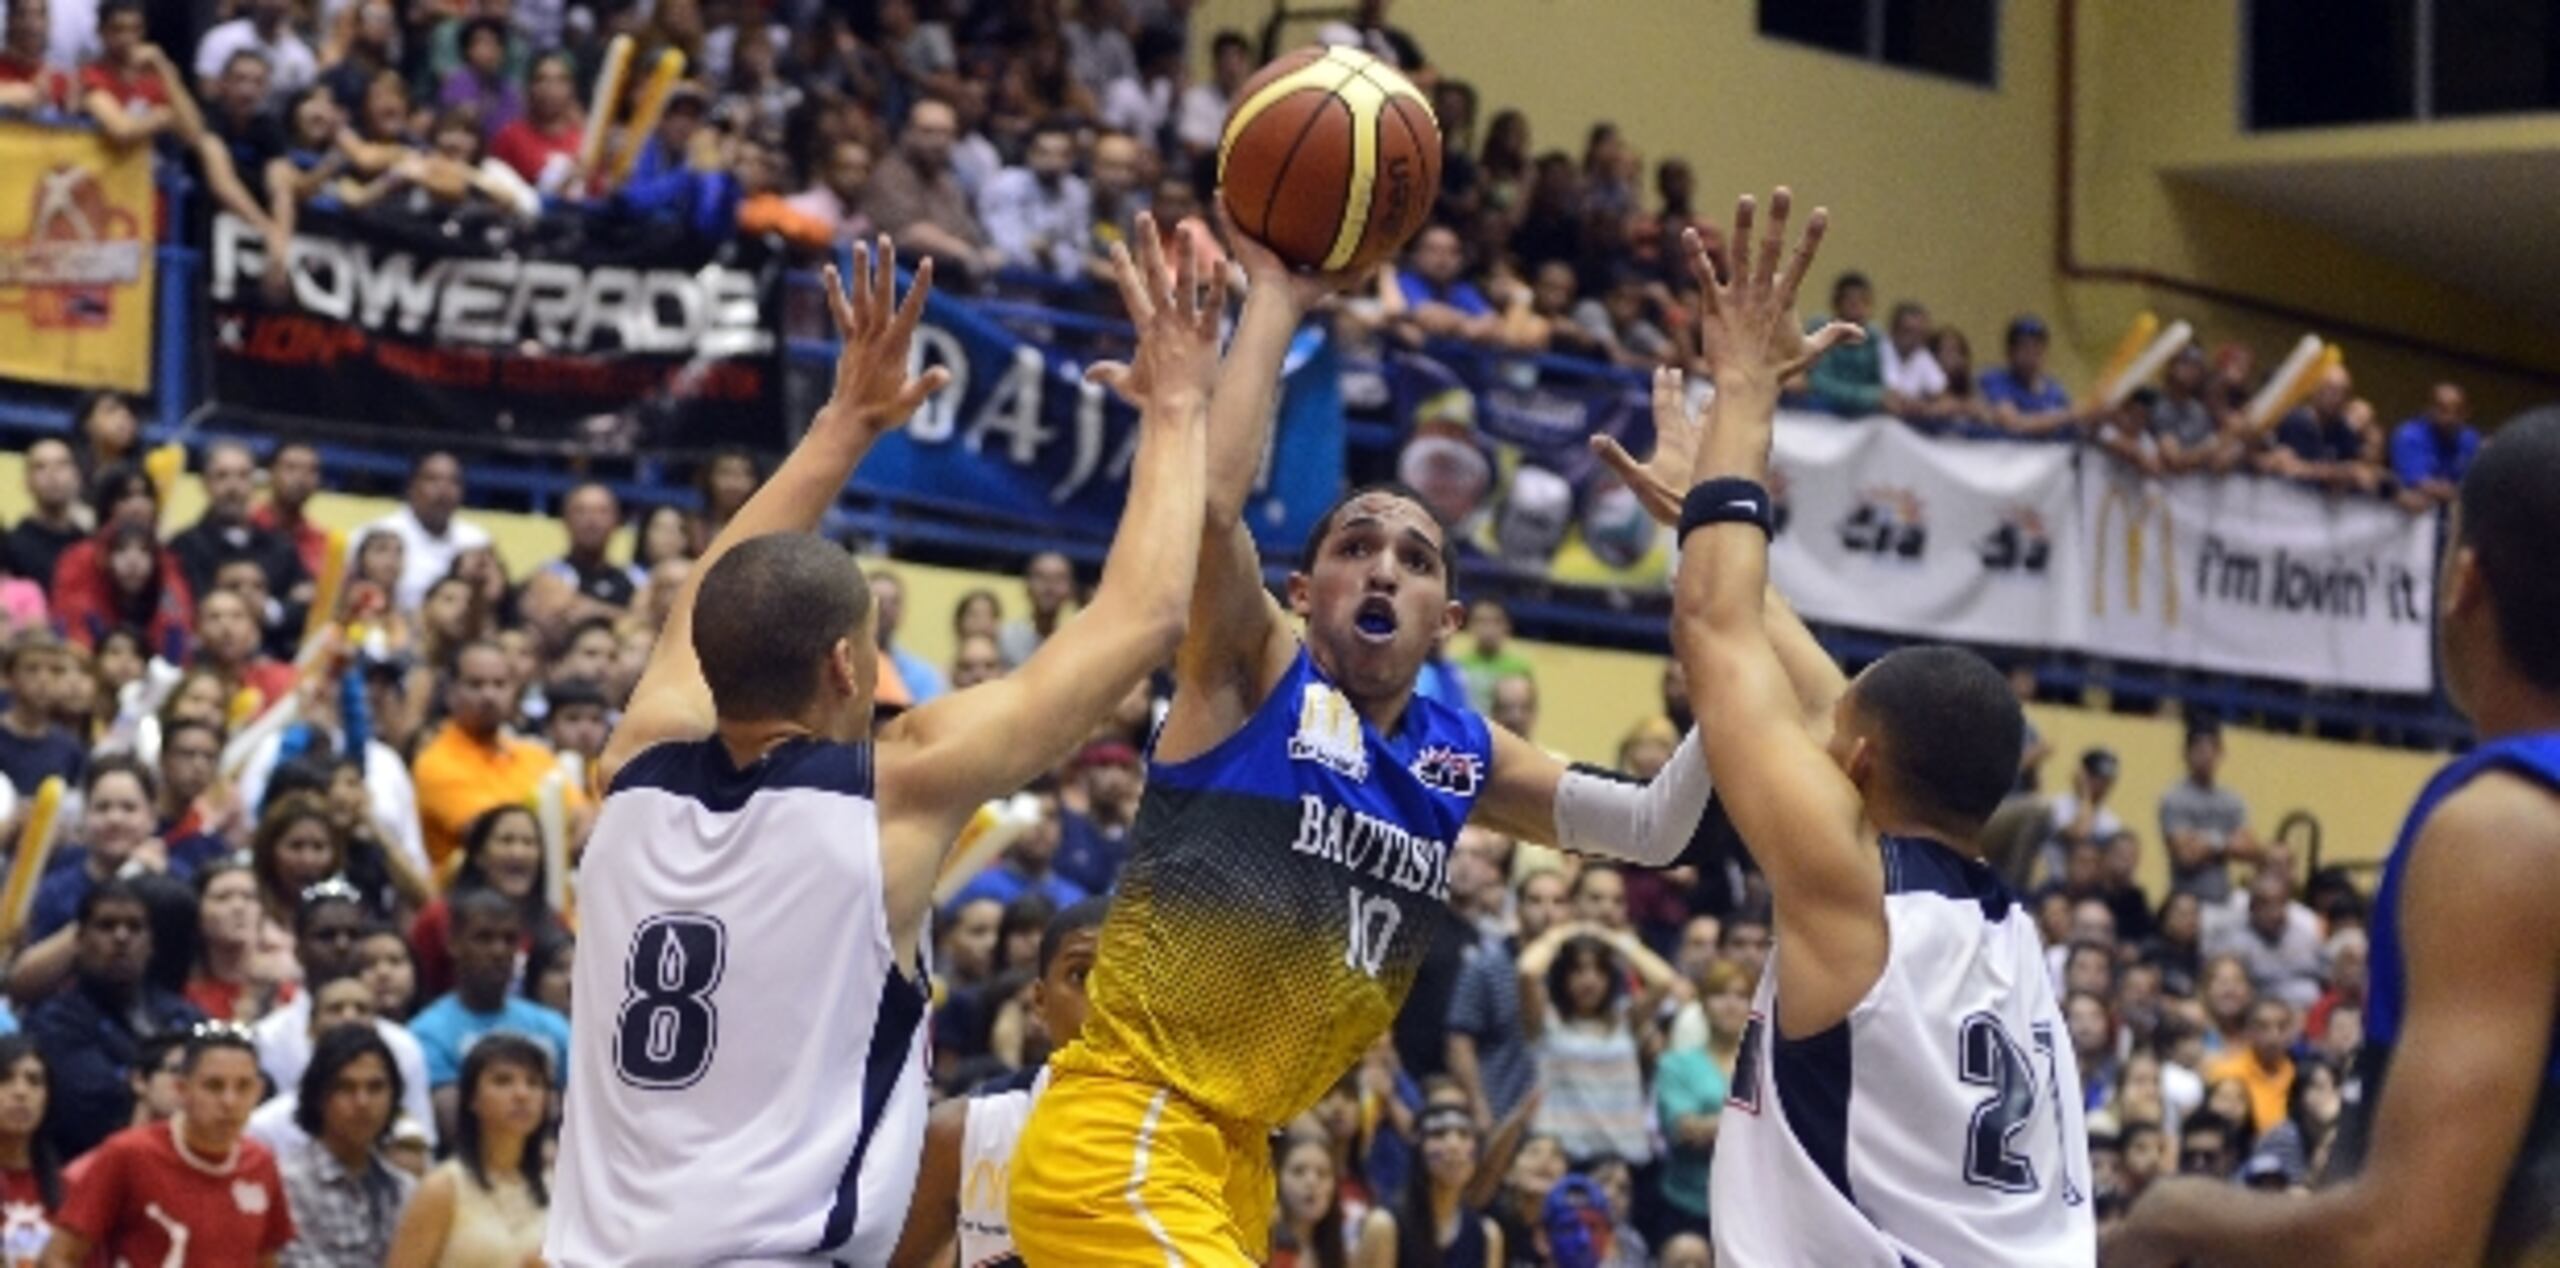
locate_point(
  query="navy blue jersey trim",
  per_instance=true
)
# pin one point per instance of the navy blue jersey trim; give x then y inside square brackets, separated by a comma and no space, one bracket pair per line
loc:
[1913,865]
[902,1008]
[1813,1076]
[701,770]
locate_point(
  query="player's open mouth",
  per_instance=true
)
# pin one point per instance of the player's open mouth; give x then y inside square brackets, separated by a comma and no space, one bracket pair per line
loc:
[1376,620]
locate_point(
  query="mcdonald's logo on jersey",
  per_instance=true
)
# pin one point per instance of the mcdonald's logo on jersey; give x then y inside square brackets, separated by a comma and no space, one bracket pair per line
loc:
[982,1191]
[1329,733]
[2139,517]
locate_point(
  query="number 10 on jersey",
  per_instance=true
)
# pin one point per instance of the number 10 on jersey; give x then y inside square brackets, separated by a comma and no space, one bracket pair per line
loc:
[1373,921]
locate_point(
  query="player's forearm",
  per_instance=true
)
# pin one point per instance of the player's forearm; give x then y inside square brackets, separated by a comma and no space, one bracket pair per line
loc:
[2219,1224]
[1246,402]
[1147,580]
[1724,568]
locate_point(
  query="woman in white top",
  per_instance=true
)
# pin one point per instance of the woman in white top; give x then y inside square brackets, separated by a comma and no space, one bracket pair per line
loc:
[487,1205]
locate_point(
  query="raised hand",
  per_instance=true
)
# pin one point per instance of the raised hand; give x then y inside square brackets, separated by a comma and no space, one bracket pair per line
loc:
[1747,323]
[1176,305]
[1262,269]
[1659,481]
[873,392]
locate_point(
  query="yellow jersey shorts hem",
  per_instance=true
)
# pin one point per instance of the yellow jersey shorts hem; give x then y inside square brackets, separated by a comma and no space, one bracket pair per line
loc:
[1112,1172]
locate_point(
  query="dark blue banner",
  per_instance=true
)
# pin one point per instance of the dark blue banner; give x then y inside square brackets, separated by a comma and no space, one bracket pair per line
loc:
[1020,436]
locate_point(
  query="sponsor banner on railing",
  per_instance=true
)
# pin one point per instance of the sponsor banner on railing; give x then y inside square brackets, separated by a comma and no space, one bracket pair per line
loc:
[652,345]
[2260,577]
[78,224]
[1019,435]
[1884,528]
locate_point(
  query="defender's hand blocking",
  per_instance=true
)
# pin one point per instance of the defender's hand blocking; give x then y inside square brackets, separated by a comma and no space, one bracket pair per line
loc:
[1658,481]
[1176,306]
[1747,323]
[873,392]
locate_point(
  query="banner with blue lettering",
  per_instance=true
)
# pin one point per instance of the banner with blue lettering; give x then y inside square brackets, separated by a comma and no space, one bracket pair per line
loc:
[1020,436]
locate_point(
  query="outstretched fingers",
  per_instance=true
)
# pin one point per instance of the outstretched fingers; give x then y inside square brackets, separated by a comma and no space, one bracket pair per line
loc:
[1746,213]
[1133,290]
[839,306]
[1800,265]
[1832,335]
[1773,243]
[911,310]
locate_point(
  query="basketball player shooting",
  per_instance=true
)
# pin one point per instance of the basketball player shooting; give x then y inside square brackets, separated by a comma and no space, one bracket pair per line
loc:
[751,1087]
[1290,859]
[2453,1151]
[1903,1094]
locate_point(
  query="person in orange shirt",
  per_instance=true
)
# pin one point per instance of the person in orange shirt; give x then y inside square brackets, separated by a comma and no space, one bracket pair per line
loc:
[473,764]
[2265,1067]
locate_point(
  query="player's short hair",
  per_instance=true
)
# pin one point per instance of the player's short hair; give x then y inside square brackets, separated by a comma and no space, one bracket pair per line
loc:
[2510,507]
[1952,729]
[1325,524]
[769,613]
[1079,916]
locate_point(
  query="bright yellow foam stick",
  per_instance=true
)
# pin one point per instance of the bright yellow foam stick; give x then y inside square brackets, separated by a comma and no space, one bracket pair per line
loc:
[2293,377]
[611,79]
[989,832]
[2139,371]
[654,96]
[35,849]
[2136,337]
[551,812]
[332,583]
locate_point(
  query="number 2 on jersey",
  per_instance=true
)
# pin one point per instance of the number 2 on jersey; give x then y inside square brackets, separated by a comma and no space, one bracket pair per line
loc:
[1987,1056]
[668,1028]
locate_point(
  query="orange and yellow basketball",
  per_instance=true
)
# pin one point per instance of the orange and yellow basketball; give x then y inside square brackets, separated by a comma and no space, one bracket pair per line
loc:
[1331,158]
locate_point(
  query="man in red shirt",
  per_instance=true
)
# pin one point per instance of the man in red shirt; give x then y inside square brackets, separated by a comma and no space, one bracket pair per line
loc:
[192,1190]
[26,83]
[542,144]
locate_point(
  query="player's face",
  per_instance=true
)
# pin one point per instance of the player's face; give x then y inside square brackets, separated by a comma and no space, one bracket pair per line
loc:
[220,1092]
[359,1108]
[23,1094]
[1059,994]
[1377,602]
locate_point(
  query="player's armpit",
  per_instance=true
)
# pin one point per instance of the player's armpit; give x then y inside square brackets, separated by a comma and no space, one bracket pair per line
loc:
[933,1214]
[1238,645]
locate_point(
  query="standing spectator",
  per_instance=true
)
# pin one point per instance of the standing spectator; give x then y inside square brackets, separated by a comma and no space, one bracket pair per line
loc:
[915,199]
[2319,442]
[1849,379]
[1913,380]
[2020,396]
[1590,1034]
[1200,119]
[194,1190]
[431,537]
[1689,1092]
[2431,452]
[1049,582]
[474,764]
[1488,1048]
[2186,434]
[30,1171]
[2081,816]
[834,199]
[32,745]
[2203,824]
[346,1198]
[52,523]
[482,84]
[92,1032]
[263,28]
[489,1202]
[1439,301]
[28,79]
[1038,215]
[1490,657]
[889,608]
[582,584]
[541,144]
[488,933]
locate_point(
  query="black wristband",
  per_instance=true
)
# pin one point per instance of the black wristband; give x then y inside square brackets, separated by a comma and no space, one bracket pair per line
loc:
[1725,500]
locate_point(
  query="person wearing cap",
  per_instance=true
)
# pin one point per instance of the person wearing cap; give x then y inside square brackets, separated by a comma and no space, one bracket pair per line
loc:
[1095,841]
[2204,825]
[2081,815]
[2023,398]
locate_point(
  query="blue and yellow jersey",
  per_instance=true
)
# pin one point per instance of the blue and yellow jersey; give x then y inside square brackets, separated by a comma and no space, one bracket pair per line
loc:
[1280,891]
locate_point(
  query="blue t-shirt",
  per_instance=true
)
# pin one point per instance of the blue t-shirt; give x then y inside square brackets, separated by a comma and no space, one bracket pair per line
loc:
[2420,451]
[447,1030]
[1003,884]
[26,761]
[2041,396]
[2316,439]
[1461,295]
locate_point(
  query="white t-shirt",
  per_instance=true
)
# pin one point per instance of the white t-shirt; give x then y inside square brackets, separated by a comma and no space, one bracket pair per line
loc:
[1917,376]
[427,556]
[290,65]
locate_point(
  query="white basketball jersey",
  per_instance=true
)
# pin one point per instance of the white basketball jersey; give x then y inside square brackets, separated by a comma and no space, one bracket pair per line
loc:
[987,1137]
[747,1073]
[1939,1124]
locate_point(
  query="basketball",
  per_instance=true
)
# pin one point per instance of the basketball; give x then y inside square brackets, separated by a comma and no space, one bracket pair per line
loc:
[1331,158]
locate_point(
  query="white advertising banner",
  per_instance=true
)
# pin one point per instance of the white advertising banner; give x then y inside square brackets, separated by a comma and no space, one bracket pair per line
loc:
[1886,529]
[2250,576]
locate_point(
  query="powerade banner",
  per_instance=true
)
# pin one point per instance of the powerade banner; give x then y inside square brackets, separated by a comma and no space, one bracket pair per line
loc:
[1499,445]
[1020,436]
[652,343]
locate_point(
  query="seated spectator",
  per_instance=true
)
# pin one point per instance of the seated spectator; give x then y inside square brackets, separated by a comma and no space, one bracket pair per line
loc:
[1038,214]
[1436,1223]
[834,199]
[293,476]
[181,1192]
[1097,45]
[332,942]
[33,747]
[1094,842]
[1621,321]
[1489,657]
[122,575]
[30,1171]
[2264,1066]
[1117,200]
[231,981]
[92,1033]
[430,534]
[114,830]
[2431,452]
[1049,582]
[487,935]
[445,47]
[473,764]
[2276,939]
[487,1204]
[481,83]
[2020,396]
[263,28]
[1913,379]
[889,604]
[1849,379]
[1963,398]
[1143,104]
[297,847]
[2203,824]
[502,854]
[345,1197]
[541,144]
[915,199]
[582,584]
[757,97]
[52,522]
[1515,706]
[363,40]
[1439,301]
[2319,443]
[228,640]
[454,171]
[1026,868]
[579,719]
[1200,118]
